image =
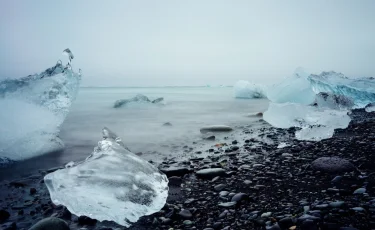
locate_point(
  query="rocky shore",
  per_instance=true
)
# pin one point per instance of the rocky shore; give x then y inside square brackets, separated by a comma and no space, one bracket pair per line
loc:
[241,184]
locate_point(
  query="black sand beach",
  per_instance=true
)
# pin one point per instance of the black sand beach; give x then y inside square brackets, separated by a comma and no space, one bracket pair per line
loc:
[248,187]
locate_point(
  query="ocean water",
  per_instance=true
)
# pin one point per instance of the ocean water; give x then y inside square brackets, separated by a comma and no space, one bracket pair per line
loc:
[140,125]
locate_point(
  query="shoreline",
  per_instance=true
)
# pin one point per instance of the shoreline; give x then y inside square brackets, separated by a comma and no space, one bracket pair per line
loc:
[258,186]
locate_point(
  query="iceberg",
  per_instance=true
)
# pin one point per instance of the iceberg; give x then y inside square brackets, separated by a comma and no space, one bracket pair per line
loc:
[317,104]
[360,90]
[139,98]
[111,184]
[32,110]
[295,89]
[245,89]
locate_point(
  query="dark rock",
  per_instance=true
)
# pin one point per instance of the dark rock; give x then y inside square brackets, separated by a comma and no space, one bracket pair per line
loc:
[32,191]
[309,225]
[9,226]
[219,187]
[84,220]
[332,165]
[167,124]
[4,215]
[238,197]
[210,138]
[175,171]
[186,214]
[286,223]
[210,173]
[175,180]
[50,223]
[65,214]
[227,204]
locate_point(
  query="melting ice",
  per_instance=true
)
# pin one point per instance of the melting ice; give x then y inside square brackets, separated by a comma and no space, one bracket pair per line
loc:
[111,184]
[317,104]
[245,89]
[32,109]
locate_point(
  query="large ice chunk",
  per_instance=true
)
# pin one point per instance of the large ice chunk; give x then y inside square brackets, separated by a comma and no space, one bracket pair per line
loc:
[316,123]
[32,109]
[360,90]
[295,89]
[245,89]
[111,184]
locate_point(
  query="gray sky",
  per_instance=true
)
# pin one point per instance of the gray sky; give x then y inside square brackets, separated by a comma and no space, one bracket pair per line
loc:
[169,42]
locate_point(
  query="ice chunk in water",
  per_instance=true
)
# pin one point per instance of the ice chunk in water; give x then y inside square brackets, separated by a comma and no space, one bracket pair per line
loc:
[111,184]
[245,89]
[32,109]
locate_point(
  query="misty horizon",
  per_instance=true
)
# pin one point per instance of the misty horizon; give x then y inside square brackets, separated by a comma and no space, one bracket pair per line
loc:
[168,43]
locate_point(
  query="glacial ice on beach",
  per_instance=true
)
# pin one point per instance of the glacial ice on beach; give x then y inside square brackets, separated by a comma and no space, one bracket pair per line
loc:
[32,109]
[245,89]
[316,112]
[360,90]
[294,89]
[315,123]
[111,184]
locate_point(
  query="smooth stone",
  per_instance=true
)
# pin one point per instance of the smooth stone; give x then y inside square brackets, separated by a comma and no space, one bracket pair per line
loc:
[238,197]
[336,204]
[358,209]
[336,179]
[359,191]
[175,171]
[227,204]
[223,193]
[186,214]
[174,180]
[266,215]
[188,222]
[219,187]
[216,128]
[286,222]
[210,173]
[332,165]
[50,223]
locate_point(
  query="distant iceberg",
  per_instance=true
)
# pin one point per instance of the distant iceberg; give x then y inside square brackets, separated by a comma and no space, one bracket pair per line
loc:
[32,110]
[139,98]
[317,104]
[245,89]
[111,184]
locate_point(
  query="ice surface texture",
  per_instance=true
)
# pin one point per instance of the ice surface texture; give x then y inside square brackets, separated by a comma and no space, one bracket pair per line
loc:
[111,184]
[32,109]
[245,89]
[317,104]
[360,90]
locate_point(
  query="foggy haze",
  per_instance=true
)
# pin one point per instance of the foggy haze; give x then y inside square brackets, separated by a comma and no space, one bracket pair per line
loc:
[158,43]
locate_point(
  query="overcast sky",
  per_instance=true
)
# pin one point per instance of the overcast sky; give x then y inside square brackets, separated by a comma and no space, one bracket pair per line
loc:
[155,43]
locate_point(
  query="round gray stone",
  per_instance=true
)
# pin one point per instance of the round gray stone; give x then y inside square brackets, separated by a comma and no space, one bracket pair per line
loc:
[211,172]
[50,223]
[332,165]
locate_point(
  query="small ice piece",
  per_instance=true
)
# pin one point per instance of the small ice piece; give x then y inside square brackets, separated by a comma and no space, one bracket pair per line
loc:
[245,89]
[69,54]
[370,108]
[282,145]
[111,184]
